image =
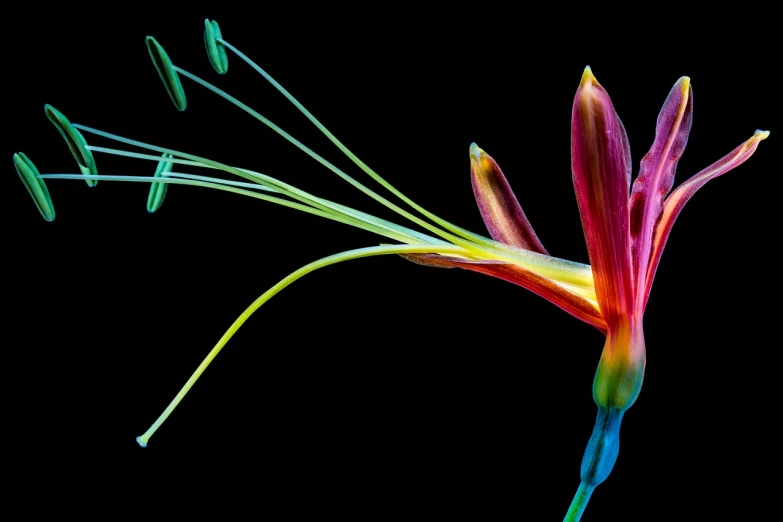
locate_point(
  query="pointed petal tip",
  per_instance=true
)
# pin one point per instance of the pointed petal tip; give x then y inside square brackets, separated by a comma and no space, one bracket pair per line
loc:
[685,83]
[587,77]
[753,141]
[475,151]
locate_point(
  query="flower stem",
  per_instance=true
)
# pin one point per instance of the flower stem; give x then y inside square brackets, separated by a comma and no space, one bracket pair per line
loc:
[579,503]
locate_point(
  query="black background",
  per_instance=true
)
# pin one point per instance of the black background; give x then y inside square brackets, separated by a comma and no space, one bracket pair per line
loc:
[379,386]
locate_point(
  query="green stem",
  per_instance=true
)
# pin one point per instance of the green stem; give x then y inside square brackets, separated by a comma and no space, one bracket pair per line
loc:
[579,503]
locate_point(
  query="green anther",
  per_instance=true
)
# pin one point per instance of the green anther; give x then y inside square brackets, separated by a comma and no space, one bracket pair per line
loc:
[216,51]
[35,185]
[167,73]
[158,190]
[76,143]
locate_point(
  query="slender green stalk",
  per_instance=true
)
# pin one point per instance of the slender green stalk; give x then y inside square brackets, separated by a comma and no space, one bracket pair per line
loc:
[257,185]
[579,503]
[556,269]
[359,163]
[345,219]
[176,161]
[304,148]
[547,266]
[266,296]
[281,187]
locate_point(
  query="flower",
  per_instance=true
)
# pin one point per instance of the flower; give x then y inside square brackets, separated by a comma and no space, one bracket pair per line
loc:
[604,294]
[626,228]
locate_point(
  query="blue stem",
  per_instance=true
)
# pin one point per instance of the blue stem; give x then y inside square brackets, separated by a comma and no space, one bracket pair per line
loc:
[603,447]
[599,458]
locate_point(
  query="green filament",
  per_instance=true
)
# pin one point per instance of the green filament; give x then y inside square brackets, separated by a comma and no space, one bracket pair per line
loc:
[143,440]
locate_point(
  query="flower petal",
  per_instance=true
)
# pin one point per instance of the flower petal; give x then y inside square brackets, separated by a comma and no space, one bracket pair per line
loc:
[676,201]
[500,210]
[601,165]
[556,294]
[656,175]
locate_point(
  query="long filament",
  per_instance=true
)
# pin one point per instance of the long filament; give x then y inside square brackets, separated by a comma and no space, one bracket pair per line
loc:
[359,163]
[560,270]
[266,296]
[259,186]
[346,219]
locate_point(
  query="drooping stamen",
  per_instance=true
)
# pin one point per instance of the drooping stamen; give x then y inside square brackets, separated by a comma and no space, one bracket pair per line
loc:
[143,440]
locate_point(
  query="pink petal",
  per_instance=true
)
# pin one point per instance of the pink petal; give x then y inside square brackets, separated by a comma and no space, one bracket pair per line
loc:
[498,205]
[676,201]
[601,165]
[574,304]
[656,175]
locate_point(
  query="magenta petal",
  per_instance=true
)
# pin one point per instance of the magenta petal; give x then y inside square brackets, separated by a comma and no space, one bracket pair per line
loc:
[601,166]
[676,201]
[573,304]
[500,210]
[656,176]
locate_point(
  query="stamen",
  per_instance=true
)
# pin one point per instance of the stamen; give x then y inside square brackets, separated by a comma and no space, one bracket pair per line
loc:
[219,185]
[368,218]
[230,183]
[281,187]
[341,208]
[143,440]
[377,197]
[547,266]
[476,238]
[136,155]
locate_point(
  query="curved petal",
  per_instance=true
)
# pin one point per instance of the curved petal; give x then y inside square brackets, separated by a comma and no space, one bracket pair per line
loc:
[601,165]
[500,210]
[656,176]
[676,201]
[556,294]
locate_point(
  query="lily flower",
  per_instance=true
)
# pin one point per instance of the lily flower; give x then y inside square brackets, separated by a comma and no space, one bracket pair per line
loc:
[626,227]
